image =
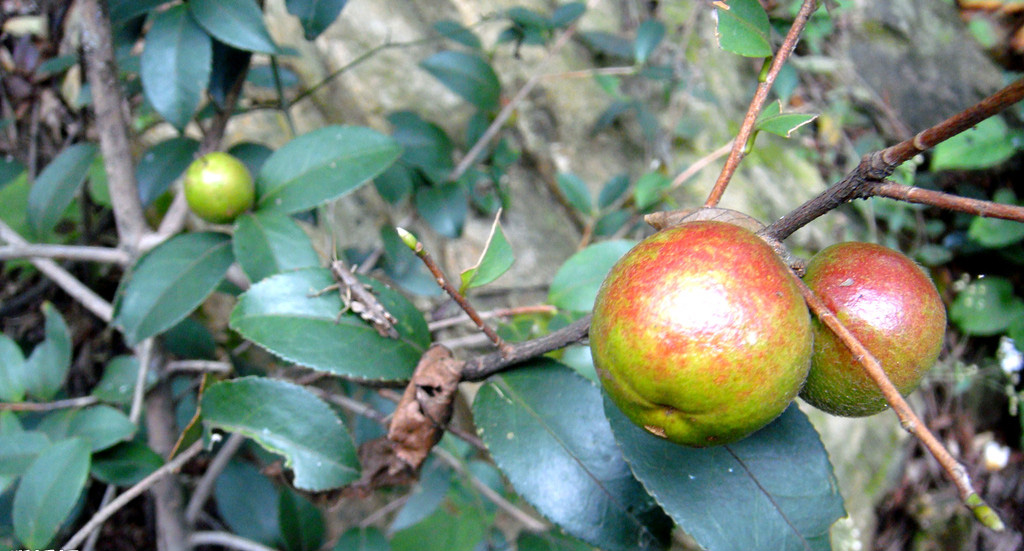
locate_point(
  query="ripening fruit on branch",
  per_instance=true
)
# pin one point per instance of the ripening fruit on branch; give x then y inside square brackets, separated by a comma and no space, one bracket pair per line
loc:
[218,187]
[891,306]
[700,335]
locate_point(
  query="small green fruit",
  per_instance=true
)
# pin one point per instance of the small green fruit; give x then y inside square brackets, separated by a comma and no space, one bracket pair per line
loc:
[700,335]
[891,306]
[218,187]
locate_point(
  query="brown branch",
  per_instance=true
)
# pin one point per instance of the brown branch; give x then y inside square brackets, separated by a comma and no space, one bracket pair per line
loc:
[481,367]
[757,103]
[69,403]
[948,201]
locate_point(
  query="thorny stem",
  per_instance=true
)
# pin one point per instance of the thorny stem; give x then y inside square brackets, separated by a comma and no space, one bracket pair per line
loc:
[757,103]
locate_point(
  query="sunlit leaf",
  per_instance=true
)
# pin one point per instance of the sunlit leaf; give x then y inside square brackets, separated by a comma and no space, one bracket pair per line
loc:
[743,28]
[496,259]
[235,22]
[575,284]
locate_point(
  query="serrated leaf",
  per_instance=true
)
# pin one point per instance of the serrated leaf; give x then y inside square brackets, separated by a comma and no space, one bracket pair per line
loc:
[12,371]
[576,282]
[48,491]
[743,28]
[496,259]
[169,282]
[267,243]
[281,315]
[468,75]
[545,414]
[772,490]
[161,164]
[247,501]
[649,188]
[175,65]
[444,207]
[987,306]
[453,30]
[994,232]
[315,15]
[321,166]
[289,420]
[56,186]
[648,35]
[235,22]
[986,145]
[575,191]
[47,366]
[19,449]
[125,464]
[774,121]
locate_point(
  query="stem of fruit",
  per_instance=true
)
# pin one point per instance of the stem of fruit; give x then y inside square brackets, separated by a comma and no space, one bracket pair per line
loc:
[442,281]
[757,103]
[908,419]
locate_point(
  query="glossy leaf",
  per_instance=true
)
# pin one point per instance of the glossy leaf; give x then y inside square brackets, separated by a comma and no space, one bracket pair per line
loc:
[994,232]
[575,284]
[175,64]
[13,376]
[613,189]
[648,35]
[743,28]
[56,186]
[986,145]
[987,306]
[247,501]
[267,243]
[453,30]
[235,22]
[117,385]
[289,420]
[575,191]
[169,282]
[545,428]
[425,145]
[362,539]
[47,366]
[468,75]
[444,207]
[496,259]
[190,339]
[123,10]
[101,427]
[19,449]
[321,166]
[161,164]
[315,15]
[281,315]
[649,188]
[49,490]
[774,121]
[125,464]
[772,490]
[302,527]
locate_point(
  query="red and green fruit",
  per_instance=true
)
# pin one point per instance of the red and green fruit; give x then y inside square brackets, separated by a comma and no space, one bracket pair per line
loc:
[700,335]
[218,187]
[891,306]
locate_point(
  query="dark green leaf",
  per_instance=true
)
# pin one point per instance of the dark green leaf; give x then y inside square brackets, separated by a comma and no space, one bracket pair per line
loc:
[161,165]
[395,183]
[253,155]
[468,75]
[281,315]
[772,490]
[458,525]
[404,267]
[289,420]
[175,64]
[425,145]
[190,339]
[57,185]
[123,10]
[125,464]
[575,191]
[649,189]
[10,169]
[55,66]
[607,44]
[247,501]
[19,449]
[550,541]
[994,232]
[564,15]
[321,166]
[228,65]
[425,497]
[169,282]
[575,284]
[986,145]
[268,243]
[986,307]
[453,30]
[362,539]
[302,527]
[47,365]
[13,376]
[648,35]
[545,428]
[117,384]
[610,223]
[743,28]
[100,426]
[612,190]
[48,491]
[235,22]
[496,259]
[315,15]
[444,207]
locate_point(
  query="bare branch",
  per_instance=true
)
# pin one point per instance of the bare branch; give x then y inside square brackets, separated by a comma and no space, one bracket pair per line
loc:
[946,201]
[205,485]
[481,367]
[70,403]
[104,255]
[227,540]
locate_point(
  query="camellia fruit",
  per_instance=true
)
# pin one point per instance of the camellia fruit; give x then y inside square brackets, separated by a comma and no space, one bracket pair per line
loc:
[891,306]
[218,187]
[700,335]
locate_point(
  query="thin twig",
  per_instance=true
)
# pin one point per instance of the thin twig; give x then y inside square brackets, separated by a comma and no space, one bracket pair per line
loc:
[596,71]
[105,255]
[699,165]
[481,367]
[757,103]
[205,485]
[497,313]
[145,354]
[80,402]
[199,366]
[226,539]
[910,194]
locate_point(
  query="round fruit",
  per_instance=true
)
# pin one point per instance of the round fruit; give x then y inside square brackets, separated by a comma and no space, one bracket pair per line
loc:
[893,309]
[218,187]
[700,335]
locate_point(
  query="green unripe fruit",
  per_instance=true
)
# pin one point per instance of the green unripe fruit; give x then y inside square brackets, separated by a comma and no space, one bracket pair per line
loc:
[700,335]
[218,187]
[891,306]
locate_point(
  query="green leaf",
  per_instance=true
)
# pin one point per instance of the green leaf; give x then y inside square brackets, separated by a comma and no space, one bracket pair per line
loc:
[169,282]
[125,464]
[994,232]
[648,35]
[550,541]
[321,166]
[545,428]
[743,28]
[301,524]
[247,501]
[468,75]
[564,15]
[458,525]
[362,539]
[175,64]
[161,164]
[117,385]
[190,339]
[610,223]
[19,449]
[48,491]
[612,190]
[47,366]
[496,259]
[453,30]
[235,22]
[395,183]
[10,169]
[13,375]
[100,426]
[575,284]
[986,307]
[315,15]
[425,497]
[281,315]
[425,145]
[772,490]
[56,186]
[14,204]
[289,420]
[267,243]
[253,155]
[123,10]
[986,145]
[575,191]
[772,120]
[649,189]
[444,207]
